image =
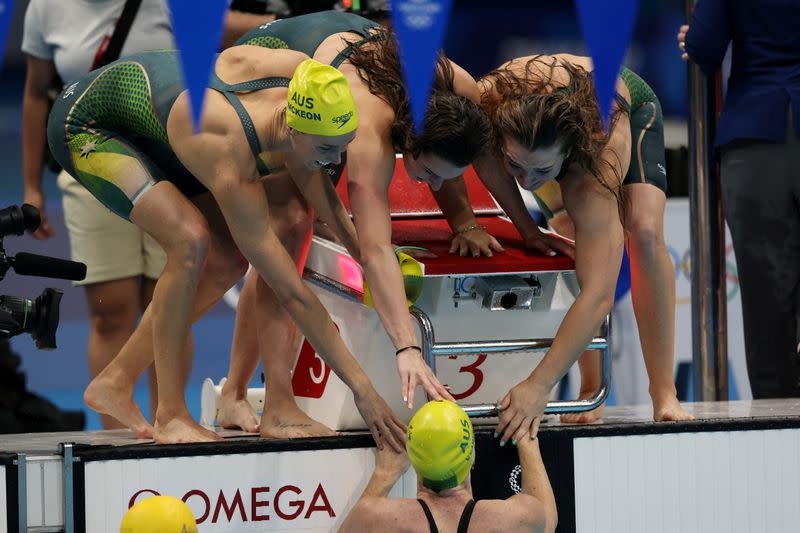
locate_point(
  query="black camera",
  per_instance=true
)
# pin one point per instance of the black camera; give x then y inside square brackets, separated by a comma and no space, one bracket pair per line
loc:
[38,317]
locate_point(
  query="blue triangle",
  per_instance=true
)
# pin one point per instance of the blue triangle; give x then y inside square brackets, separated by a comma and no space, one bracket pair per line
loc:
[419,26]
[607,29]
[198,32]
[6,11]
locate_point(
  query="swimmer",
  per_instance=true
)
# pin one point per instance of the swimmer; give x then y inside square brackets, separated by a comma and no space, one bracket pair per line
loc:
[441,446]
[612,188]
[125,133]
[456,130]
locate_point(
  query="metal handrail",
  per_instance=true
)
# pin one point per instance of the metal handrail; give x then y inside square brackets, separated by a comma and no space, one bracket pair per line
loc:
[431,350]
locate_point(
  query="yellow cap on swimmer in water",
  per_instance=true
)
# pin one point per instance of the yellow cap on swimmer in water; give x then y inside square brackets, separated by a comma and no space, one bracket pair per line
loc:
[441,445]
[159,514]
[320,102]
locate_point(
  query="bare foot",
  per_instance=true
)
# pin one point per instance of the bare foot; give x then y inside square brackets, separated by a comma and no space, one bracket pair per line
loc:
[234,413]
[109,398]
[585,417]
[182,429]
[668,409]
[288,421]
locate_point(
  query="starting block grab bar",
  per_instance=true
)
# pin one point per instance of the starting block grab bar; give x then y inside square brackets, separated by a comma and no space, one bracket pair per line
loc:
[431,350]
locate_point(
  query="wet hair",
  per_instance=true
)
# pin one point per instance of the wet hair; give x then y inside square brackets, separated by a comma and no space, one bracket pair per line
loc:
[538,112]
[455,129]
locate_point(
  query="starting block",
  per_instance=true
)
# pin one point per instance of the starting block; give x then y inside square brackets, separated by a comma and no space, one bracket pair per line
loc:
[483,323]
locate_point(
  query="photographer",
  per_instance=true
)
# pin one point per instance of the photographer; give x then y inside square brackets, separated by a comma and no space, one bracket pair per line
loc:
[20,410]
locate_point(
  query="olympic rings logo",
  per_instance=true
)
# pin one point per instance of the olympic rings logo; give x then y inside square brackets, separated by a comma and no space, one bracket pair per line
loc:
[514,481]
[683,269]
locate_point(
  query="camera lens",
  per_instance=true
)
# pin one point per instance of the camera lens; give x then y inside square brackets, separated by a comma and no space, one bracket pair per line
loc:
[508,300]
[39,317]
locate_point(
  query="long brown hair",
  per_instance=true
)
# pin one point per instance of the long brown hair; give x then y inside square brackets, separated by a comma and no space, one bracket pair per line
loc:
[455,128]
[538,112]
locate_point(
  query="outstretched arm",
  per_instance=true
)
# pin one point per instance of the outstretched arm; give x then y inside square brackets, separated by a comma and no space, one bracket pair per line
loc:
[374,511]
[599,241]
[469,238]
[504,189]
[245,209]
[370,163]
[536,484]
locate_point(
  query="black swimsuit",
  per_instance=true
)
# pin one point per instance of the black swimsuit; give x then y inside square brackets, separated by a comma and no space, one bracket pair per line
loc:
[463,523]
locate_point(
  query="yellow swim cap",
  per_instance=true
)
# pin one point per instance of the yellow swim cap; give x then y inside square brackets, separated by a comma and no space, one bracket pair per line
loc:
[319,101]
[412,280]
[159,514]
[441,445]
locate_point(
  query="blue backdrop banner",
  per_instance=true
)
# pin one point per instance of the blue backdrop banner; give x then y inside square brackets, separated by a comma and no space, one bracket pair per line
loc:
[420,26]
[6,10]
[607,27]
[198,32]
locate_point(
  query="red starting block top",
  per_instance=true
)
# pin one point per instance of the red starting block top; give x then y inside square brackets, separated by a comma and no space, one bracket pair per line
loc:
[418,221]
[409,198]
[434,234]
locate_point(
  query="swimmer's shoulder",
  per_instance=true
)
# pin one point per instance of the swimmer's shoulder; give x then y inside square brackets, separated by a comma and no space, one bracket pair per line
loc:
[336,42]
[464,84]
[247,62]
[389,515]
[520,513]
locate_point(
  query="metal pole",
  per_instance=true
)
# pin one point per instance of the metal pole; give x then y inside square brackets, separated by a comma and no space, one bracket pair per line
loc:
[69,488]
[709,302]
[22,492]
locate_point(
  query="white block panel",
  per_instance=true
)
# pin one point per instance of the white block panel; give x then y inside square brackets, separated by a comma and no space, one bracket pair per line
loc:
[34,476]
[731,482]
[309,491]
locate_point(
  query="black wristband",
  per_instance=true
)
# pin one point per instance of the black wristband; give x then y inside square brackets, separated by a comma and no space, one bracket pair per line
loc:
[407,348]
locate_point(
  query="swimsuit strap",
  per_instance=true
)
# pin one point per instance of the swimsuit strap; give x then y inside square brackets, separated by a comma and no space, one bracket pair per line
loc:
[429,516]
[463,524]
[344,54]
[229,90]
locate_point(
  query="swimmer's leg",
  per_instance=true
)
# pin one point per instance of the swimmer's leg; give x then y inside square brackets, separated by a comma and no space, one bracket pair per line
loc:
[234,411]
[278,336]
[653,296]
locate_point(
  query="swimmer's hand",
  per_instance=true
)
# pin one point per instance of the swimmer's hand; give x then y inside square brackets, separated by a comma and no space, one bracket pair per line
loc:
[382,423]
[414,371]
[473,240]
[682,41]
[391,463]
[521,411]
[549,244]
